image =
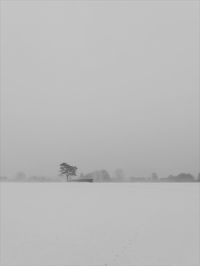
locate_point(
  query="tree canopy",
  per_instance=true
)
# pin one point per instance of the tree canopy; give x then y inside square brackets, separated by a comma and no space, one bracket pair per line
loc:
[68,170]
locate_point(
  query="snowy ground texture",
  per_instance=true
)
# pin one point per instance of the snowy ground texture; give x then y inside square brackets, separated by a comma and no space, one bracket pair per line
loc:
[100,224]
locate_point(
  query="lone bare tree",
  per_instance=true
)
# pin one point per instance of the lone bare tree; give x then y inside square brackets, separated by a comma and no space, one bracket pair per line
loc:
[68,170]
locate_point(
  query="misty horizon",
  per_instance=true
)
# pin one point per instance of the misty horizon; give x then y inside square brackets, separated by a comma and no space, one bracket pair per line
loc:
[102,175]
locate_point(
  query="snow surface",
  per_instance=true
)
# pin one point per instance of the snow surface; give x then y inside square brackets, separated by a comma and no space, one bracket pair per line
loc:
[100,224]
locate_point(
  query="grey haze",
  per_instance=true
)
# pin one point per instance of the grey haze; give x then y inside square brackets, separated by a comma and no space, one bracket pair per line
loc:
[100,85]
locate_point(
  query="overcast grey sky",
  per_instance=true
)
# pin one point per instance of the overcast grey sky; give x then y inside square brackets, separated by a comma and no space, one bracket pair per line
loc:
[100,85]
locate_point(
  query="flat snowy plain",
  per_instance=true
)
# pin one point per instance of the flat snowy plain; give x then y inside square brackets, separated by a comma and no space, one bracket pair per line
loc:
[100,224]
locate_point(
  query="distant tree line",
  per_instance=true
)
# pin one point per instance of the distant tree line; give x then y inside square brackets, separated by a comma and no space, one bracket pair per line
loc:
[182,177]
[70,174]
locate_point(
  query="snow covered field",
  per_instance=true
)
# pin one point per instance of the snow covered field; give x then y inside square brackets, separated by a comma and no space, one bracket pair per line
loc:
[100,224]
